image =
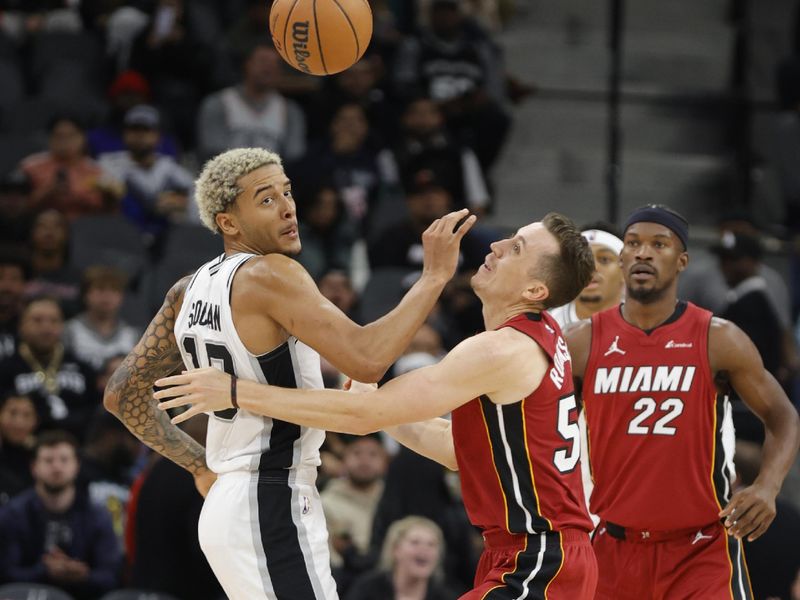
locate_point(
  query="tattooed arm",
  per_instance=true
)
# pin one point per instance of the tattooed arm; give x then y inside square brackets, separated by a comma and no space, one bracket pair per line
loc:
[129,393]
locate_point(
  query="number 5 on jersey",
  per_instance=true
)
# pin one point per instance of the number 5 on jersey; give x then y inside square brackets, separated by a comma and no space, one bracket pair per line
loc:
[565,459]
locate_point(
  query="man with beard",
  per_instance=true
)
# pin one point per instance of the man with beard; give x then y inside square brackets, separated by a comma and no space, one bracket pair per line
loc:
[158,189]
[52,533]
[655,375]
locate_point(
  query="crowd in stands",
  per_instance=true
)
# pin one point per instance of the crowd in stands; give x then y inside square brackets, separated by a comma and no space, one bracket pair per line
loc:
[107,111]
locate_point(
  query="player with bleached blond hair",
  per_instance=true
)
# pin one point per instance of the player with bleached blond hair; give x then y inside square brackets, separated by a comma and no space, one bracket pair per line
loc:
[255,313]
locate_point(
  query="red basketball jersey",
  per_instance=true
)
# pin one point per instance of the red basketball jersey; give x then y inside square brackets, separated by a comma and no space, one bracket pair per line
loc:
[519,462]
[660,439]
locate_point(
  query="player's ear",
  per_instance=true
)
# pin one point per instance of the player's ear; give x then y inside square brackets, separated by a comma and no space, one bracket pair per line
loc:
[536,292]
[683,261]
[227,223]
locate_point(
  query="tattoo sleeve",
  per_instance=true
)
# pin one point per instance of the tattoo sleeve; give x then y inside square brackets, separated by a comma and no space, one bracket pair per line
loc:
[129,393]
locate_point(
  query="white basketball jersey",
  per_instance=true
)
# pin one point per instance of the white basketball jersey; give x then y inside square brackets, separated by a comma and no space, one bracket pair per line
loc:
[238,440]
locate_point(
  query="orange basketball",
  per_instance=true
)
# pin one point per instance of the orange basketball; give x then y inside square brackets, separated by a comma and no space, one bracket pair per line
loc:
[321,37]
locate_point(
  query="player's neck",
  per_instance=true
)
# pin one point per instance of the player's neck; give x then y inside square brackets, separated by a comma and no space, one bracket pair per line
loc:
[494,317]
[650,315]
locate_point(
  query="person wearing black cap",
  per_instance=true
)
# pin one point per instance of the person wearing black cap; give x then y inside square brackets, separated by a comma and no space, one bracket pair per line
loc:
[655,375]
[749,306]
[158,189]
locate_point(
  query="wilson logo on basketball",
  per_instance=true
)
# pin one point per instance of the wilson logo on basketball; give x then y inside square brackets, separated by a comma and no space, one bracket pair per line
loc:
[300,44]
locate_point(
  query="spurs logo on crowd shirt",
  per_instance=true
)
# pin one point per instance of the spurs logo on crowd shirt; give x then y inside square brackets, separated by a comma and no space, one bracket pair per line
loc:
[643,379]
[560,360]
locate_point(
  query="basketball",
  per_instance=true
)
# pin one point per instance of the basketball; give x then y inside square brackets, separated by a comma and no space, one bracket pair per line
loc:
[321,37]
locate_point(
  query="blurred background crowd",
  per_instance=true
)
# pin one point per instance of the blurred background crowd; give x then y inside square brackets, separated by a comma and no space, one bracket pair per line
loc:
[108,109]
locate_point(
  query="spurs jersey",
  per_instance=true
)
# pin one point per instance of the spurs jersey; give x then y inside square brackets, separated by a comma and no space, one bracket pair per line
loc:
[519,462]
[238,440]
[660,437]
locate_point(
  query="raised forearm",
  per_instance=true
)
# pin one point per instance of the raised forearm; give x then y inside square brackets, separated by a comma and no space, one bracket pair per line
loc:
[383,341]
[432,439]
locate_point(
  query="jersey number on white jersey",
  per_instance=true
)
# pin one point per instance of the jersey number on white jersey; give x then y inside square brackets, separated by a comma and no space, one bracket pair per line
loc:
[217,356]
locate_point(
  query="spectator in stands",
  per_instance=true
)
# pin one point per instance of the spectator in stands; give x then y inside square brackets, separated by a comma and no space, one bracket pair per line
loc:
[250,28]
[252,114]
[165,542]
[461,71]
[350,502]
[98,333]
[337,287]
[425,141]
[65,178]
[61,386]
[51,274]
[158,190]
[14,275]
[428,198]
[175,58]
[749,307]
[128,89]
[410,565]
[347,158]
[328,236]
[107,464]
[18,421]
[52,533]
[360,84]
[16,219]
[416,485]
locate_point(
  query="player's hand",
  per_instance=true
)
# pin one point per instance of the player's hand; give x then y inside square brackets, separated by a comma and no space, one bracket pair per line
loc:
[204,480]
[441,242]
[750,512]
[357,387]
[206,390]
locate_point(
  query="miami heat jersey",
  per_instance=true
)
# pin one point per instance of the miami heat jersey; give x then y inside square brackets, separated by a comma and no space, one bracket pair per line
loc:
[660,438]
[238,440]
[519,462]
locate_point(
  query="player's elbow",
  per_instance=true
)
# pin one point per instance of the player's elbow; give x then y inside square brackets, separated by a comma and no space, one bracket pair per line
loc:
[450,463]
[111,401]
[367,371]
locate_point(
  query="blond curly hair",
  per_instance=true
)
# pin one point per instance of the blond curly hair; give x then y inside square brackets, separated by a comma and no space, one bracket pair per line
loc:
[217,187]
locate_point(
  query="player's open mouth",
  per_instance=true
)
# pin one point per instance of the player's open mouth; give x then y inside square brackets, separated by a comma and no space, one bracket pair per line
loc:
[291,232]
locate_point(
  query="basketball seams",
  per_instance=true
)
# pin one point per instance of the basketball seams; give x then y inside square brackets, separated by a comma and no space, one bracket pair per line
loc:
[352,28]
[285,31]
[319,38]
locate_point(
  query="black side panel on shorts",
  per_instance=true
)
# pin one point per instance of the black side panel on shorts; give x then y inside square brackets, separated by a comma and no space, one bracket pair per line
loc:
[527,562]
[285,562]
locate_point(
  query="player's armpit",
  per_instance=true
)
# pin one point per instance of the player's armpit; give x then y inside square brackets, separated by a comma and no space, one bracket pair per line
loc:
[129,393]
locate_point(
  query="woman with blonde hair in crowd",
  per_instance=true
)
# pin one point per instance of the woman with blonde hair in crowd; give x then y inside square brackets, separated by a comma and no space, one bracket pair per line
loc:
[410,565]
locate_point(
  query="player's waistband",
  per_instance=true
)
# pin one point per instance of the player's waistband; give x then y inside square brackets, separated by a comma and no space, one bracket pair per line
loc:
[648,536]
[498,539]
[302,475]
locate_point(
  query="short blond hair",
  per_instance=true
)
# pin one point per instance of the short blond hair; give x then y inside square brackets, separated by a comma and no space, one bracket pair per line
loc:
[218,185]
[398,531]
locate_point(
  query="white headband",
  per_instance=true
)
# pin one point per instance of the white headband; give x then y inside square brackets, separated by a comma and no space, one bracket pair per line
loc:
[609,240]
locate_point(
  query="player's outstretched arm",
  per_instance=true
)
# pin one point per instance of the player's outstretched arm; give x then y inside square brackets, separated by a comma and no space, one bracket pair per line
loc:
[129,393]
[751,510]
[432,439]
[490,363]
[285,291]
